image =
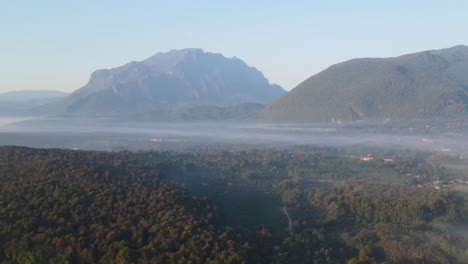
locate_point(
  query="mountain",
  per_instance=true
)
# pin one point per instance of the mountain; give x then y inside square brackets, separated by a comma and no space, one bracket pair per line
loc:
[426,84]
[236,112]
[31,95]
[18,102]
[167,81]
[213,113]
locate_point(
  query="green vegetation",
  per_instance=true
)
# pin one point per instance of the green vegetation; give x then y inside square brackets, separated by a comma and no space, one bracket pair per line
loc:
[61,206]
[428,84]
[204,113]
[217,206]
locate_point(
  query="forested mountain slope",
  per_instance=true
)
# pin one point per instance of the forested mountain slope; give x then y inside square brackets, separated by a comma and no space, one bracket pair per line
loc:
[428,84]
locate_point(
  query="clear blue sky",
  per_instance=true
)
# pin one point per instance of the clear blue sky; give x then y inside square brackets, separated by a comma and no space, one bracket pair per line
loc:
[57,44]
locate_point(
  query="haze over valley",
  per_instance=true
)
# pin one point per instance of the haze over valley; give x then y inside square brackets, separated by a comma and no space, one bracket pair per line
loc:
[200,96]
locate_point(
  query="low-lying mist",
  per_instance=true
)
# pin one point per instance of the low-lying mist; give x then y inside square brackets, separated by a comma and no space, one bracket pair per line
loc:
[325,183]
[110,134]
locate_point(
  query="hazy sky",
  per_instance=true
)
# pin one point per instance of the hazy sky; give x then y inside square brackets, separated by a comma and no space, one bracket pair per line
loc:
[57,44]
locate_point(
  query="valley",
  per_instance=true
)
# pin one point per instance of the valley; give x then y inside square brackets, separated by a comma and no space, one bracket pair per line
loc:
[189,156]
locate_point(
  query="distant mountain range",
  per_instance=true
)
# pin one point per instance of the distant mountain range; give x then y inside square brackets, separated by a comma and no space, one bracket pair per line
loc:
[19,102]
[167,82]
[193,85]
[428,84]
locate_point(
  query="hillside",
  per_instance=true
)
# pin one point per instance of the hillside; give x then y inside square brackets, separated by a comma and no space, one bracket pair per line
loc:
[421,85]
[166,81]
[236,112]
[31,95]
[19,102]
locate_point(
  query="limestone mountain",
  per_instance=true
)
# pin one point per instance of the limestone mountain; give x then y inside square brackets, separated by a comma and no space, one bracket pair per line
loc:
[179,78]
[426,84]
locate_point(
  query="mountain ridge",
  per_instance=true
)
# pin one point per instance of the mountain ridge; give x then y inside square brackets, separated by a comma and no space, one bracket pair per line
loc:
[26,95]
[419,85]
[17,103]
[188,77]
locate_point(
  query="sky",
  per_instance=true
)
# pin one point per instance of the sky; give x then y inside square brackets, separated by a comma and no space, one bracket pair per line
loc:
[56,45]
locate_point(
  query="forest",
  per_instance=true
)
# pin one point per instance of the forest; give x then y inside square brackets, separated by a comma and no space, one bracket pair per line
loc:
[258,205]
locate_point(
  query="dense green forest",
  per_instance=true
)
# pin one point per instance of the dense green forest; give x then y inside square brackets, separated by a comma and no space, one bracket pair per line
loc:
[418,85]
[297,205]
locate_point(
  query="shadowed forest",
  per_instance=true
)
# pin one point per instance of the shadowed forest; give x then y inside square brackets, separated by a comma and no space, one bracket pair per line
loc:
[226,206]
